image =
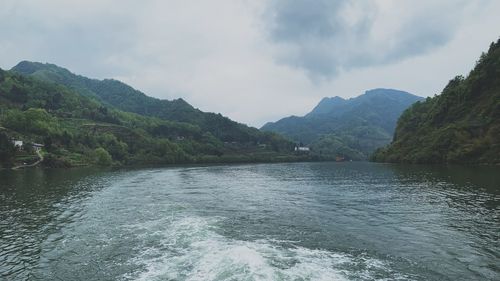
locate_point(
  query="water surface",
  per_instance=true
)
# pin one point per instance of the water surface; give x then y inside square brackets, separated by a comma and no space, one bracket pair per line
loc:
[300,221]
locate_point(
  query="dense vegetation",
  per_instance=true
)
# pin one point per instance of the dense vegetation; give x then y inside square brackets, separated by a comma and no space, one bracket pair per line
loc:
[351,128]
[461,125]
[80,129]
[121,96]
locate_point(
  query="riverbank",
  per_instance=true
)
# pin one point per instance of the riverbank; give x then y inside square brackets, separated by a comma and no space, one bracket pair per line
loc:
[51,160]
[40,160]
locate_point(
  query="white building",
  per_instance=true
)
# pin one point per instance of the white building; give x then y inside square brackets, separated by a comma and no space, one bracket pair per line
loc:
[302,148]
[17,143]
[37,146]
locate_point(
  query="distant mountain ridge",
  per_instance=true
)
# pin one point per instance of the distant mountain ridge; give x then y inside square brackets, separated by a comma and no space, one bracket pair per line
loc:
[354,127]
[123,97]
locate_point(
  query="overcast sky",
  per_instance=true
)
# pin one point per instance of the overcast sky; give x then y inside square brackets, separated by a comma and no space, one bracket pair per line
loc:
[254,60]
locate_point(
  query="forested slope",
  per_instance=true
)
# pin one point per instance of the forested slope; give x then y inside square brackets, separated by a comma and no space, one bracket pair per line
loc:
[79,129]
[121,96]
[461,125]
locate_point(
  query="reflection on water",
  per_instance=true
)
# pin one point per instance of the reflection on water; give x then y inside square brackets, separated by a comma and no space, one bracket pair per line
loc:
[298,221]
[30,202]
[484,178]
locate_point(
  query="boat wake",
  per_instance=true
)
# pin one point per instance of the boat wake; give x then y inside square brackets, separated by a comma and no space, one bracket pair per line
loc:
[190,248]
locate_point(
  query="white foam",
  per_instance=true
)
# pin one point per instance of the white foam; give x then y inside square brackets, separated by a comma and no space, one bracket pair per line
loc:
[191,250]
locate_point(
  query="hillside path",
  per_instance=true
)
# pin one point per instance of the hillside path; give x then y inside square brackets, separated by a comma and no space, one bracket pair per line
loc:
[40,159]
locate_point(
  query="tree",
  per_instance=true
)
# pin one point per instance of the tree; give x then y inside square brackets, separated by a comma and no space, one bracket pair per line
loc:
[102,157]
[66,138]
[28,148]
[47,141]
[7,150]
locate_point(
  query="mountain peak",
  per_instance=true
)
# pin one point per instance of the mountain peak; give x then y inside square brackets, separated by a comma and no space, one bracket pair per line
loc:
[336,105]
[385,92]
[27,67]
[327,105]
[335,98]
[30,68]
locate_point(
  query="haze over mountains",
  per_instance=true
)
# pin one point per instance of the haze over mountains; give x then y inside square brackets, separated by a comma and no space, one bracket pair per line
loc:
[351,127]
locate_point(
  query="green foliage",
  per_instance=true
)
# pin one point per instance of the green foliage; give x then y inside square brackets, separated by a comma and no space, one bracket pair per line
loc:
[331,146]
[28,148]
[116,94]
[56,161]
[461,125]
[77,127]
[101,157]
[33,120]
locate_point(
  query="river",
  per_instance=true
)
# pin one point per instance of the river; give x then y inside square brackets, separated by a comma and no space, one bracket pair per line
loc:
[294,221]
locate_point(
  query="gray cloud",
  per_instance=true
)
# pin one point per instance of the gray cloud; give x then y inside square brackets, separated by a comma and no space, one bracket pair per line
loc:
[325,37]
[75,36]
[253,60]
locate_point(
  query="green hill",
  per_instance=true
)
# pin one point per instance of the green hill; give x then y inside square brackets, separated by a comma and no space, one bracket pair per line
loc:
[79,129]
[461,125]
[121,96]
[353,128]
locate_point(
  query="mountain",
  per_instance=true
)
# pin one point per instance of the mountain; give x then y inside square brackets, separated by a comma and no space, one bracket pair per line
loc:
[461,125]
[328,105]
[349,127]
[121,96]
[80,129]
